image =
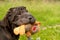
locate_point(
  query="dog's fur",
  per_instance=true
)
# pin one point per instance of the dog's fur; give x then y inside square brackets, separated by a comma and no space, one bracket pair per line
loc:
[15,17]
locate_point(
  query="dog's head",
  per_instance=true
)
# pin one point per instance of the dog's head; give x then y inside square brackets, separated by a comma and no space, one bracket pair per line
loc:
[17,16]
[20,15]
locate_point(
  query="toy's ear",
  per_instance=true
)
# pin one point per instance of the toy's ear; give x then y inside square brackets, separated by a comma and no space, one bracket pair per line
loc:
[37,23]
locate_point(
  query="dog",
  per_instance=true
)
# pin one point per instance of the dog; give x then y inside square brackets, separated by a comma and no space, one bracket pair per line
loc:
[15,17]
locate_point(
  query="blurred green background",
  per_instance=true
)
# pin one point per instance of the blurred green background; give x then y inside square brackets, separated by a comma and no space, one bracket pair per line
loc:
[47,12]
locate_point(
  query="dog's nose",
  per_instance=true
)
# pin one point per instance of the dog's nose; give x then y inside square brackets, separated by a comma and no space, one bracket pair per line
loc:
[31,19]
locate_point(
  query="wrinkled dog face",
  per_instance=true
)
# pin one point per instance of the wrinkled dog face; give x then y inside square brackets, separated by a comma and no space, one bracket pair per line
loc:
[19,16]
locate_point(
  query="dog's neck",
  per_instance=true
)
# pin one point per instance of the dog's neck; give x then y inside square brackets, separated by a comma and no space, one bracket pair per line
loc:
[10,30]
[8,26]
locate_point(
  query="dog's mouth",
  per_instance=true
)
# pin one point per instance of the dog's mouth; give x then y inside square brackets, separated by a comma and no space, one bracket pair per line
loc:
[24,29]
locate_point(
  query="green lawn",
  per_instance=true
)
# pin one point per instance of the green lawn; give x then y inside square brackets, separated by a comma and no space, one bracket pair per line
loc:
[47,13]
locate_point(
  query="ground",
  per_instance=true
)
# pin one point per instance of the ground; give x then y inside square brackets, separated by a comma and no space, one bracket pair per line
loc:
[48,14]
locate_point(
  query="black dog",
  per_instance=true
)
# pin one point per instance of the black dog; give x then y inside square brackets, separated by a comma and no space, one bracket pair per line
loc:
[15,17]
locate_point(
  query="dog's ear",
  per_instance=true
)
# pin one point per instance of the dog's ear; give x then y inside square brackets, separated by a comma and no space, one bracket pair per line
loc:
[22,8]
[5,20]
[9,17]
[11,9]
[11,13]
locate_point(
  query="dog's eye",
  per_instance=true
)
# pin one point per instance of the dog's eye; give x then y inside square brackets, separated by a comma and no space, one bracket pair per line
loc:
[9,15]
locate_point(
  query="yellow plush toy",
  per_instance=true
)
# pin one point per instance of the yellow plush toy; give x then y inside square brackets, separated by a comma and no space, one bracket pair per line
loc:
[29,28]
[19,30]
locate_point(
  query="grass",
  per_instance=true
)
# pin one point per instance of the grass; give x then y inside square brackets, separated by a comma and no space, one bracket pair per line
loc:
[47,13]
